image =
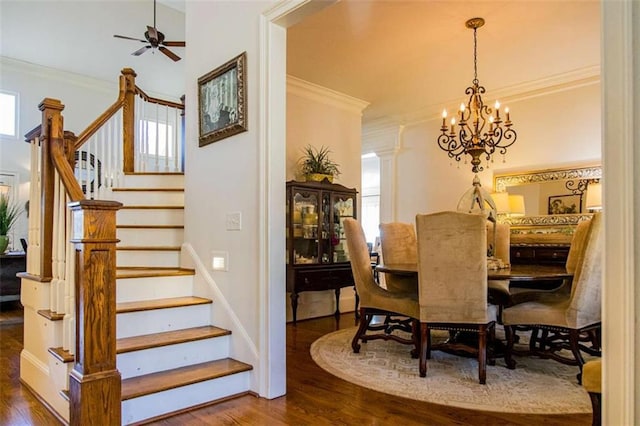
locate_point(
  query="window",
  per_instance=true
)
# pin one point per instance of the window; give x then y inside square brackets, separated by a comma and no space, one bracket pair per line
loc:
[370,217]
[158,138]
[8,114]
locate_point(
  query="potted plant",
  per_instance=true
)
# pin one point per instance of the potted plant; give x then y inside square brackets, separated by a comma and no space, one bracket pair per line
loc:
[8,216]
[315,164]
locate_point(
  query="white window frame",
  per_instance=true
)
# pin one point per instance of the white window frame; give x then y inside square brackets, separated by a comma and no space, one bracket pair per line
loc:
[147,125]
[16,111]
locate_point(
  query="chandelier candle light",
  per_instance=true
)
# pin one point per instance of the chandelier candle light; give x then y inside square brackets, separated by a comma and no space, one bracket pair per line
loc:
[479,132]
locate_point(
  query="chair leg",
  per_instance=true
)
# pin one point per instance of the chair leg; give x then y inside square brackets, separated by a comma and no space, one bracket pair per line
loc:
[596,420]
[491,355]
[508,352]
[365,319]
[482,354]
[574,343]
[424,348]
[415,334]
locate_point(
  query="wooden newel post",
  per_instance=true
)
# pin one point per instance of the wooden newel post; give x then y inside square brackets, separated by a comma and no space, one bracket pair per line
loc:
[52,128]
[94,385]
[128,119]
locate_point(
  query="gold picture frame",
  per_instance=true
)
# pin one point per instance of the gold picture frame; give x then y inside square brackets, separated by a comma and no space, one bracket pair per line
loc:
[222,99]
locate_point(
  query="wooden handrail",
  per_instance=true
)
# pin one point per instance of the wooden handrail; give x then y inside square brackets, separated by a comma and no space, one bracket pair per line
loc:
[158,101]
[98,122]
[60,160]
[36,132]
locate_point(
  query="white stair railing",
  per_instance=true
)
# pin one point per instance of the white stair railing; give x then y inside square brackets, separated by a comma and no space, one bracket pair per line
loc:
[158,134]
[35,191]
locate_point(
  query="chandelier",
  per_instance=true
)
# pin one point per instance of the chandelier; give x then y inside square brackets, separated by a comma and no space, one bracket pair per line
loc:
[480,133]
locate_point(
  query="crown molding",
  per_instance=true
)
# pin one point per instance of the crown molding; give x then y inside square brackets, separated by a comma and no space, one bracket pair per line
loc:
[570,80]
[383,138]
[314,92]
[48,73]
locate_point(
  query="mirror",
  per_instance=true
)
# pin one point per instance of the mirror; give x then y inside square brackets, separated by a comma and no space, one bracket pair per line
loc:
[555,199]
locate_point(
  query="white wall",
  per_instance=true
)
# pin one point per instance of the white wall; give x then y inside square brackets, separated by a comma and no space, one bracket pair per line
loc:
[84,99]
[559,128]
[317,117]
[224,176]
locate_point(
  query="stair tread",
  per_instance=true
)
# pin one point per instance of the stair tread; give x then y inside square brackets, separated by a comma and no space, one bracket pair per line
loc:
[157,382]
[52,316]
[149,248]
[154,189]
[146,206]
[141,272]
[149,226]
[136,343]
[153,173]
[172,302]
[61,354]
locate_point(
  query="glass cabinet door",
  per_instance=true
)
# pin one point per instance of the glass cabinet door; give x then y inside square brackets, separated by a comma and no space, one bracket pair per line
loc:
[305,227]
[343,207]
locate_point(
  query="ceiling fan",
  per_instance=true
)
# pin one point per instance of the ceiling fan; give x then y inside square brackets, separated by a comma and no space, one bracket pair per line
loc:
[155,40]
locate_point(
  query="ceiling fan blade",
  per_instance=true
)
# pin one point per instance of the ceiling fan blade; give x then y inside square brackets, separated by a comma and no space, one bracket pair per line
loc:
[169,53]
[174,43]
[129,38]
[141,50]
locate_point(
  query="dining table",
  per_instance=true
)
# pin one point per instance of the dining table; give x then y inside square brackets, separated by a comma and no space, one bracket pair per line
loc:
[524,276]
[535,275]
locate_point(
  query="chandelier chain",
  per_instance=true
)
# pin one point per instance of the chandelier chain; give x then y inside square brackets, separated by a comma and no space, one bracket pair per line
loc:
[475,56]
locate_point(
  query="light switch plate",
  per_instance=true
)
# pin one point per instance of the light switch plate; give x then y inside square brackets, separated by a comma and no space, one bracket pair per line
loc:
[234,221]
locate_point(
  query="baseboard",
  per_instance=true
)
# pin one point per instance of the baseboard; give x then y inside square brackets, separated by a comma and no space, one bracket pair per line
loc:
[315,304]
[36,376]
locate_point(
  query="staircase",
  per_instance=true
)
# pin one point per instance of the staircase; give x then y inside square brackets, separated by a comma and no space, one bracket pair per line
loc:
[169,355]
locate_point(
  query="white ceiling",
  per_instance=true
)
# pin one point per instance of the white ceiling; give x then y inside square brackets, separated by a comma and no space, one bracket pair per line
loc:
[407,56]
[401,56]
[77,36]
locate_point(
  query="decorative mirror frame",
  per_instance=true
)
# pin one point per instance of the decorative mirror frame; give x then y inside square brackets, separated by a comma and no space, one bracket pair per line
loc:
[556,223]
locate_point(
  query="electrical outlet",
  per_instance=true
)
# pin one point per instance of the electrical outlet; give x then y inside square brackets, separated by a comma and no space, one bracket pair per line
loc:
[234,221]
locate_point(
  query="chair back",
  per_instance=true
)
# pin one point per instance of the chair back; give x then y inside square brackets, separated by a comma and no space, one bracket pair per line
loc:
[502,249]
[399,245]
[360,259]
[452,267]
[576,251]
[585,303]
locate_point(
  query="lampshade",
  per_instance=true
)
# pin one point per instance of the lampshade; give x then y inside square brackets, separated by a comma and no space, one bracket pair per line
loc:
[502,202]
[594,196]
[516,205]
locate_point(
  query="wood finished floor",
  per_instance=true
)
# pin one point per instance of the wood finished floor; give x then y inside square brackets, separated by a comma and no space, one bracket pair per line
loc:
[314,397]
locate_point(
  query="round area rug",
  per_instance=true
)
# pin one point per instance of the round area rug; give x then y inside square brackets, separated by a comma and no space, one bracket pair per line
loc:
[536,386]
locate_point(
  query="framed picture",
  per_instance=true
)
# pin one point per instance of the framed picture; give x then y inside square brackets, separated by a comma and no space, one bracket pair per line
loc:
[565,204]
[222,99]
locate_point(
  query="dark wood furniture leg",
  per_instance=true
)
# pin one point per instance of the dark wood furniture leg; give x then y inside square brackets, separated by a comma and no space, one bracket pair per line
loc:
[294,305]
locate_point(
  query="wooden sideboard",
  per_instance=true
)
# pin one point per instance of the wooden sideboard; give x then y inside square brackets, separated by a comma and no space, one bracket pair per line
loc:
[539,254]
[10,265]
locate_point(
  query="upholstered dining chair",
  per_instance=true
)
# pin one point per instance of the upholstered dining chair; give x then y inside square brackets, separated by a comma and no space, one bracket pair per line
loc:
[500,246]
[375,300]
[452,274]
[566,319]
[399,245]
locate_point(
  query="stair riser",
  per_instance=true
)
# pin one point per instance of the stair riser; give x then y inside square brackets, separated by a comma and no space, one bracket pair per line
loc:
[148,258]
[150,216]
[149,198]
[133,364]
[153,181]
[137,409]
[150,237]
[159,320]
[135,289]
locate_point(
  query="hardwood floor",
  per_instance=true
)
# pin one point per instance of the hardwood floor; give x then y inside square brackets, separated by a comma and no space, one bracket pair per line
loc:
[314,397]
